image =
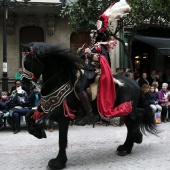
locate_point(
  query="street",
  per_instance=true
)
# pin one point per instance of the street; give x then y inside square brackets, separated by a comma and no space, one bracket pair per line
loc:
[88,149]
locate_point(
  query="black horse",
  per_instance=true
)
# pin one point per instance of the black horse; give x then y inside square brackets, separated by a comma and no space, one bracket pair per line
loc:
[58,69]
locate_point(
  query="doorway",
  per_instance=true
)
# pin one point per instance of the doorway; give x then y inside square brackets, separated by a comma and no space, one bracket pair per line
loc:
[30,34]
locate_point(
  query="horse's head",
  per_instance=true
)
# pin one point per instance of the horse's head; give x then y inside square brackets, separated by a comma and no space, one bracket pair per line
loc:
[31,62]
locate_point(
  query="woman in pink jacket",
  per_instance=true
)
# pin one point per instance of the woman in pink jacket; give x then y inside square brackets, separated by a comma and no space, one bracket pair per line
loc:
[164,100]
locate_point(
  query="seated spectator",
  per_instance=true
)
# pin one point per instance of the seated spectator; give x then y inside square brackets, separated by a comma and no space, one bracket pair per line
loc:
[17,86]
[128,74]
[145,88]
[143,80]
[4,107]
[164,100]
[154,101]
[155,84]
[118,71]
[21,105]
[34,97]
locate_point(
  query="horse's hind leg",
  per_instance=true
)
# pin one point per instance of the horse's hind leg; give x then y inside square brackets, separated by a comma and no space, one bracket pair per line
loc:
[60,161]
[134,135]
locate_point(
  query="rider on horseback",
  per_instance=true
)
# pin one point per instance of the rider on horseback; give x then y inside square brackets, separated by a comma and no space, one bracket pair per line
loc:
[91,69]
[99,53]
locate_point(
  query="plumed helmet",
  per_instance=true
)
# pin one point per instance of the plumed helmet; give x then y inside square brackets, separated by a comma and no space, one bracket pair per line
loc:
[113,13]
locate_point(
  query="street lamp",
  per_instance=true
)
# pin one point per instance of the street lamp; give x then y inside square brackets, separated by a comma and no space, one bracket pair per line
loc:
[4,71]
[5,4]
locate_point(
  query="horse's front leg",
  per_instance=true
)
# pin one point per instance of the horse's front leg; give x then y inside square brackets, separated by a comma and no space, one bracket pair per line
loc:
[60,161]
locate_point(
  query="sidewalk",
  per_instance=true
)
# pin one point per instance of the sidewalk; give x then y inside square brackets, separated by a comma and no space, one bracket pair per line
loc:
[88,149]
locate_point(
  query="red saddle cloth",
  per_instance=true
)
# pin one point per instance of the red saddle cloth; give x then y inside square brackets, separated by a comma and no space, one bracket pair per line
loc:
[106,94]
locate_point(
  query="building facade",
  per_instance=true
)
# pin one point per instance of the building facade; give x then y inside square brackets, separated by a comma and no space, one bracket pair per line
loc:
[37,20]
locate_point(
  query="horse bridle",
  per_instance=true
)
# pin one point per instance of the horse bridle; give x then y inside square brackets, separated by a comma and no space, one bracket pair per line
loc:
[28,74]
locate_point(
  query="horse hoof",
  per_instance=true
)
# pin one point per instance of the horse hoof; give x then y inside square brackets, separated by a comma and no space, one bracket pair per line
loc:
[56,164]
[122,153]
[48,168]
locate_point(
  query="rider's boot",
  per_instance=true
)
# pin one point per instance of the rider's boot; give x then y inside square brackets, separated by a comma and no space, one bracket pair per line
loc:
[89,93]
[89,118]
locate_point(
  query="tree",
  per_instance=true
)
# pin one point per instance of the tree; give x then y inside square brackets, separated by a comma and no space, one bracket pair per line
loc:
[146,13]
[83,14]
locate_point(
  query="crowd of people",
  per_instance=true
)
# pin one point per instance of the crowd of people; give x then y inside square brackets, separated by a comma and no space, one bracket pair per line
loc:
[19,102]
[156,90]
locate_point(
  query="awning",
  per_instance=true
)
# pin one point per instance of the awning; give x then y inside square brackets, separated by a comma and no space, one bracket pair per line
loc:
[162,44]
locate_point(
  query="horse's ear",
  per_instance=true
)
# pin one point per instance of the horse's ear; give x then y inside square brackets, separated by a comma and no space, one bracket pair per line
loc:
[24,47]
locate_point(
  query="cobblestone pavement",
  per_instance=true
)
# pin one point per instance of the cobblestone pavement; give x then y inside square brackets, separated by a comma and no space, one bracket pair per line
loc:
[88,149]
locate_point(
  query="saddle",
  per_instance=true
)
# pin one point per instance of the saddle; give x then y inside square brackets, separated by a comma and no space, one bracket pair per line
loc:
[93,86]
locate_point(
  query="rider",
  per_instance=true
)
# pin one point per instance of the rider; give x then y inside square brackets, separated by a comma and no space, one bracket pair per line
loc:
[98,56]
[99,53]
[91,64]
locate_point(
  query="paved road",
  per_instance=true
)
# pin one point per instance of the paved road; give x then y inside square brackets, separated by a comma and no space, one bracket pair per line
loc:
[88,149]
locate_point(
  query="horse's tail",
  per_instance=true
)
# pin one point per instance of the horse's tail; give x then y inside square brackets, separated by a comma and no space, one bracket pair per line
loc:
[148,122]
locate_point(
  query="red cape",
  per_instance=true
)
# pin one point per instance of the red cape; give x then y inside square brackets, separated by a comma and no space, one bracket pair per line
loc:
[106,94]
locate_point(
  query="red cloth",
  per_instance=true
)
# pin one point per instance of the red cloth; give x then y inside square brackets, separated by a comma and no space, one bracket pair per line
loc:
[106,94]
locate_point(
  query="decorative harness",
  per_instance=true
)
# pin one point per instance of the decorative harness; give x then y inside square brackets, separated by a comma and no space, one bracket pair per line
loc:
[53,100]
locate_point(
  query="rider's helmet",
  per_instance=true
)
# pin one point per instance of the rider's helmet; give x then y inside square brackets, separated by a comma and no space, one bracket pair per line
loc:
[113,13]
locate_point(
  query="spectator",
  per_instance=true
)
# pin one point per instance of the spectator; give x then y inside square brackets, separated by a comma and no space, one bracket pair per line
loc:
[34,97]
[18,75]
[128,73]
[143,80]
[155,84]
[21,105]
[17,86]
[145,88]
[153,77]
[4,107]
[136,74]
[118,70]
[154,101]
[164,100]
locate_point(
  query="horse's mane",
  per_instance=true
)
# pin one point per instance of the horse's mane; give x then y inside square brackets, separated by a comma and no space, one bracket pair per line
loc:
[56,58]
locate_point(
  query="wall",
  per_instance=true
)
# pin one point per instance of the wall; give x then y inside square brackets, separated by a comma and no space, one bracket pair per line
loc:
[61,36]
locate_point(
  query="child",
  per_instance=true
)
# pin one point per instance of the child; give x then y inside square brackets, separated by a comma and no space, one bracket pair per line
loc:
[4,107]
[153,101]
[155,84]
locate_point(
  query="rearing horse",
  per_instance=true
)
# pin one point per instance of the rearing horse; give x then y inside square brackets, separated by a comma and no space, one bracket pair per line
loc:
[58,69]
